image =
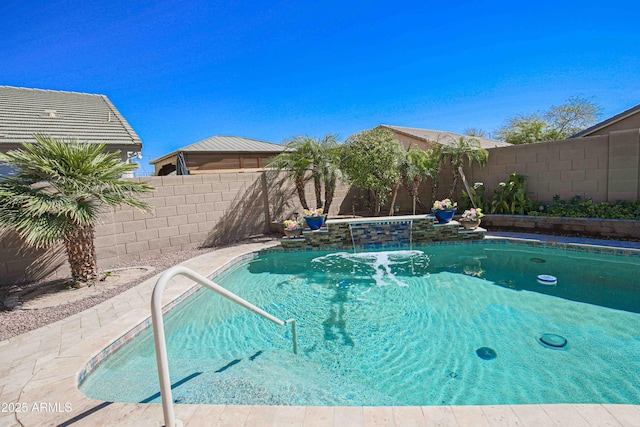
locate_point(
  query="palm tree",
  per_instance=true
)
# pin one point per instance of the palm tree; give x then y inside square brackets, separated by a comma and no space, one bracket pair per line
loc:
[295,161]
[417,165]
[58,190]
[320,157]
[457,151]
[327,158]
[435,163]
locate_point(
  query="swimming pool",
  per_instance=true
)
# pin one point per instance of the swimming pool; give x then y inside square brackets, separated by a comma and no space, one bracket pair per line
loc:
[401,328]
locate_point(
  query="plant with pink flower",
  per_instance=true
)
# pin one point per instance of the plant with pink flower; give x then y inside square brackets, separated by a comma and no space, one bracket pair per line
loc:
[313,212]
[472,214]
[444,205]
[291,225]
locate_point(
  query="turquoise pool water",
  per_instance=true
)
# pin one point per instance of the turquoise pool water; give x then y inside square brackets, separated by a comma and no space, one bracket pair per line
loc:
[400,328]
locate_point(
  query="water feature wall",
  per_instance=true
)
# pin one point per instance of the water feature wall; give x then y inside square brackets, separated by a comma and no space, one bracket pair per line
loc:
[370,235]
[377,232]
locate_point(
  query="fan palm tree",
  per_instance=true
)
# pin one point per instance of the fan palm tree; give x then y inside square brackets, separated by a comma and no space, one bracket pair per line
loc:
[457,151]
[58,190]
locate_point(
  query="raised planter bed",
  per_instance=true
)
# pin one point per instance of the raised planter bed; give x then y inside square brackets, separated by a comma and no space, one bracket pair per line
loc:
[591,227]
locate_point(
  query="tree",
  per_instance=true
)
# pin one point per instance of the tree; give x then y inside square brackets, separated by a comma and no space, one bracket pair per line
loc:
[457,151]
[371,160]
[572,117]
[435,158]
[327,160]
[478,133]
[317,156]
[295,161]
[559,122]
[57,193]
[416,166]
[524,130]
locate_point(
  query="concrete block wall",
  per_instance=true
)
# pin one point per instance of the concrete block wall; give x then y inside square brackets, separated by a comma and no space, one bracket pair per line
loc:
[624,164]
[16,259]
[187,212]
[604,168]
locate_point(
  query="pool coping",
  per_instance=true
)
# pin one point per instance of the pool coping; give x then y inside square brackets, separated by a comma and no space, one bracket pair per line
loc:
[43,367]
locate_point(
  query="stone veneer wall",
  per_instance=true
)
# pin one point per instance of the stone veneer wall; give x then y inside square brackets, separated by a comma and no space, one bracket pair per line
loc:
[337,236]
[595,227]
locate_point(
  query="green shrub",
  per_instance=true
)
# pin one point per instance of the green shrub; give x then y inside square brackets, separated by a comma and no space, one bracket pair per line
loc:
[577,207]
[511,197]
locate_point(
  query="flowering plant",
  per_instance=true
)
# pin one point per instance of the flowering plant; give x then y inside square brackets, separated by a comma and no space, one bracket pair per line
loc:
[313,212]
[290,224]
[472,214]
[444,205]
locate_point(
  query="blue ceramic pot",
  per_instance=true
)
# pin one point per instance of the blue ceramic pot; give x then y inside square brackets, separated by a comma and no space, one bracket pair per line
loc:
[315,222]
[444,216]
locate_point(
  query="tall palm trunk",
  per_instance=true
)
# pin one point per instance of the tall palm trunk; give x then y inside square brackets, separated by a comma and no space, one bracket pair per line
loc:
[317,186]
[415,187]
[300,189]
[434,190]
[81,253]
[329,190]
[454,184]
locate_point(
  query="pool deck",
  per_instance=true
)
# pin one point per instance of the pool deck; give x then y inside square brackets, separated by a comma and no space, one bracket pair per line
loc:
[39,370]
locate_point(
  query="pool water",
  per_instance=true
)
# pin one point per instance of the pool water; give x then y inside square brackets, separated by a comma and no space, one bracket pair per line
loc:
[440,325]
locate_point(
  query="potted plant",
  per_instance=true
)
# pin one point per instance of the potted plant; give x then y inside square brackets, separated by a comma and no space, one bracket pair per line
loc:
[471,218]
[443,210]
[292,228]
[314,218]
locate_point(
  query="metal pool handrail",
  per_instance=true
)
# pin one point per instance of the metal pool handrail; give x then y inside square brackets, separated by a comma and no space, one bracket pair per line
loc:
[158,330]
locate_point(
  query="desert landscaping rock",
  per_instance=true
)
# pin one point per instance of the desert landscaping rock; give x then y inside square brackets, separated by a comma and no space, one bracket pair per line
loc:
[19,320]
[45,308]
[58,293]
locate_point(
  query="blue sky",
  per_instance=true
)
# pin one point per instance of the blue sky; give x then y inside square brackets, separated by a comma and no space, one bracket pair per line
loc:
[182,71]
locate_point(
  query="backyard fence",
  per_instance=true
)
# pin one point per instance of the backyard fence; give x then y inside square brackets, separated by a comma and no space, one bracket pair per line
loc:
[215,209]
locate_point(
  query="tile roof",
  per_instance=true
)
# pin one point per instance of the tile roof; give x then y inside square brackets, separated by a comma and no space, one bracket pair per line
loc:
[66,115]
[226,144]
[443,137]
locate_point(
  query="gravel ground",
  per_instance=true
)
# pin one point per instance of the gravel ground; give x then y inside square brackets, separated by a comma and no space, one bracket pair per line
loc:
[16,322]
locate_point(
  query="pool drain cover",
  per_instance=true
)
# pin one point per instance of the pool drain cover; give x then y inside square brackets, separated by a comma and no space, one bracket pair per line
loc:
[553,341]
[486,353]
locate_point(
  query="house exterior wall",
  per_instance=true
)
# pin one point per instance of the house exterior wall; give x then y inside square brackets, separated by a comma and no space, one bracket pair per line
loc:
[408,141]
[631,122]
[206,163]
